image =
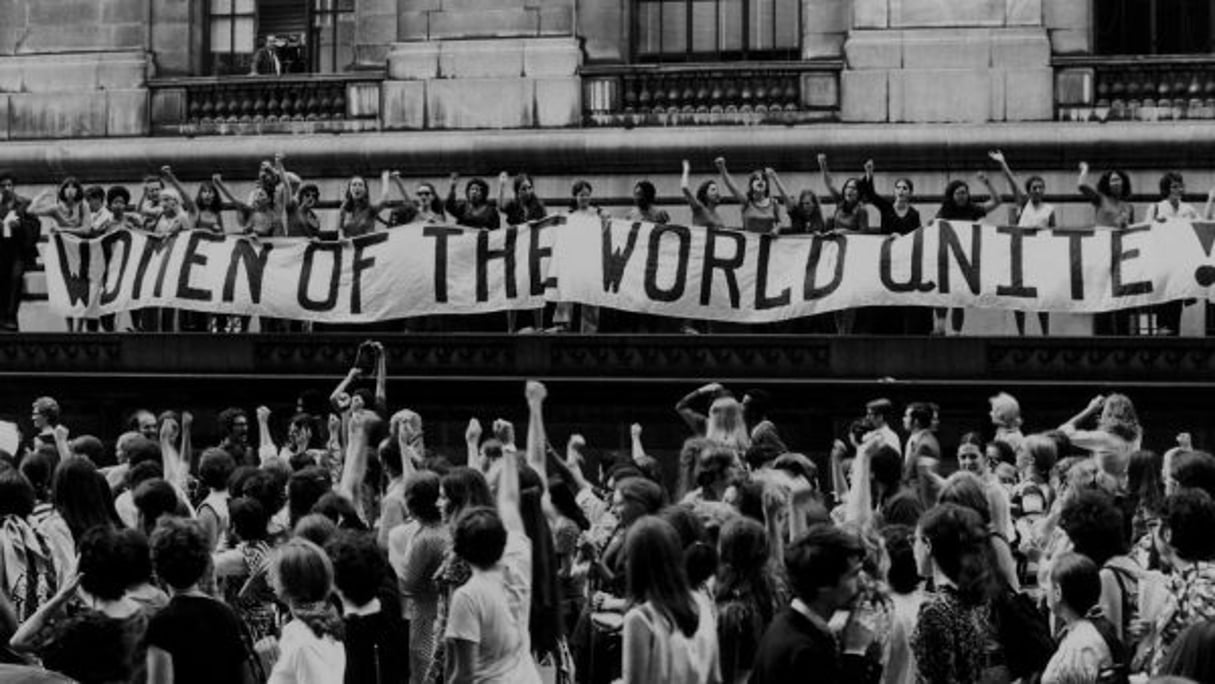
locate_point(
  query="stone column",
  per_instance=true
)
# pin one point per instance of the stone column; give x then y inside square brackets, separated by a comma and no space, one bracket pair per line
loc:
[483,64]
[945,61]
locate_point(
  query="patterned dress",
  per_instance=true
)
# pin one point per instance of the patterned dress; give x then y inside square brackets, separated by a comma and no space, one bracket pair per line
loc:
[951,638]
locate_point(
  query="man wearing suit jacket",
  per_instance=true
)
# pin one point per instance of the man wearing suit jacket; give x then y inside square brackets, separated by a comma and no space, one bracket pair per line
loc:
[823,566]
[18,240]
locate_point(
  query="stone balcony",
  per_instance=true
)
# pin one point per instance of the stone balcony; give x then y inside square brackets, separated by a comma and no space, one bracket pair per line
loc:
[1164,88]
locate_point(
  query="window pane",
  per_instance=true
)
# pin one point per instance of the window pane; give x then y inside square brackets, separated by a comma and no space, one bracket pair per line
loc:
[787,24]
[1123,26]
[704,26]
[731,25]
[221,35]
[243,41]
[221,7]
[1182,26]
[649,40]
[761,29]
[244,6]
[674,27]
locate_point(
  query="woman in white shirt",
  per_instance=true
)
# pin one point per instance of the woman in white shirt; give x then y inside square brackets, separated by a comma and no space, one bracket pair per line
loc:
[1029,210]
[310,648]
[1171,208]
[670,634]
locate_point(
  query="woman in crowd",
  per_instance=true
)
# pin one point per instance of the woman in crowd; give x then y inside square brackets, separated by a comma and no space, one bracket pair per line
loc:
[745,595]
[563,315]
[476,210]
[1117,436]
[669,633]
[28,575]
[358,214]
[897,216]
[958,205]
[82,501]
[760,213]
[1169,208]
[1111,200]
[310,648]
[644,195]
[955,638]
[240,571]
[416,550]
[65,206]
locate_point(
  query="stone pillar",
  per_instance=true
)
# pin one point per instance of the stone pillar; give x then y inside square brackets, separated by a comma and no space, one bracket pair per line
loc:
[943,61]
[483,64]
[73,68]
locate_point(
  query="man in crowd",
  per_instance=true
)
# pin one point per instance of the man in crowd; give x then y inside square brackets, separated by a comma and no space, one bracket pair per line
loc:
[19,233]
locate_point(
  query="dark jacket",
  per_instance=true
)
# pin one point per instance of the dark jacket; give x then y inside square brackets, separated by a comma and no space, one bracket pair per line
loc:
[377,648]
[795,650]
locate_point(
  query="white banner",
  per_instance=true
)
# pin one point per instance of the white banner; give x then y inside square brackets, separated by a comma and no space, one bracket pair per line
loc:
[688,272]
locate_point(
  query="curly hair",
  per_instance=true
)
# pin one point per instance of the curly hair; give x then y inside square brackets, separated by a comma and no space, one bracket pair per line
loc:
[479,537]
[1103,184]
[422,496]
[359,566]
[180,552]
[1095,525]
[1118,417]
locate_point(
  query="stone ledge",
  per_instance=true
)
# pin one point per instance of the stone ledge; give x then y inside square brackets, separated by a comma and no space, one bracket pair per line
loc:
[480,103]
[499,58]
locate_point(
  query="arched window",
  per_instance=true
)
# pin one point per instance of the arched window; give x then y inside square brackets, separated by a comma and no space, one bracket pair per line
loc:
[716,30]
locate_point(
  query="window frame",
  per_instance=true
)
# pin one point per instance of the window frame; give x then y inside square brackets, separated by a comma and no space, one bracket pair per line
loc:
[1155,50]
[744,54]
[233,16]
[314,12]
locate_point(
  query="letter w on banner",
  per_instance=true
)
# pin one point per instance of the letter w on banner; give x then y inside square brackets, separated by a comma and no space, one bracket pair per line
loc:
[688,272]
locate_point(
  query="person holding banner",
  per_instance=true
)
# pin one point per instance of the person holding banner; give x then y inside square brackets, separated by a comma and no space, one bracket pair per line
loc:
[358,214]
[580,205]
[149,203]
[704,202]
[643,209]
[959,206]
[206,209]
[850,213]
[1113,210]
[1029,210]
[805,215]
[476,210]
[524,207]
[1171,208]
[897,216]
[257,216]
[759,213]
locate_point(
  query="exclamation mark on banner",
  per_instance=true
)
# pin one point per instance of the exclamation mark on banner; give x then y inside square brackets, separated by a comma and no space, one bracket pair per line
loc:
[1205,275]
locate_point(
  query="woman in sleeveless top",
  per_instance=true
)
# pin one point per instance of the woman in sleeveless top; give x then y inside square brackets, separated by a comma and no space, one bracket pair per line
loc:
[1029,210]
[1111,199]
[760,214]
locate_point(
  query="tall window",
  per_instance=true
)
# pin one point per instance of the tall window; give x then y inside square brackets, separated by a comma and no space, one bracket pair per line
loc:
[716,30]
[1153,27]
[231,32]
[333,35]
[299,36]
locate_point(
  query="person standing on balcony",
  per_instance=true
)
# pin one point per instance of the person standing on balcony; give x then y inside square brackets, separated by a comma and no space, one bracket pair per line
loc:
[206,209]
[850,212]
[69,212]
[1113,210]
[896,216]
[759,213]
[525,206]
[643,209]
[1172,208]
[1029,210]
[704,202]
[476,210]
[580,205]
[805,215]
[959,206]
[265,60]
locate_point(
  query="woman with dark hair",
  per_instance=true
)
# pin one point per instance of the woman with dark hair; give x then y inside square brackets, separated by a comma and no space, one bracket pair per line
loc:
[704,202]
[28,573]
[1084,646]
[1029,210]
[563,315]
[805,214]
[310,648]
[1145,486]
[898,217]
[850,212]
[644,194]
[206,209]
[526,205]
[82,501]
[669,633]
[91,630]
[745,596]
[358,214]
[1094,524]
[1111,198]
[340,510]
[959,206]
[967,489]
[544,618]
[476,210]
[1172,208]
[760,213]
[69,211]
[955,638]
[907,595]
[241,570]
[416,551]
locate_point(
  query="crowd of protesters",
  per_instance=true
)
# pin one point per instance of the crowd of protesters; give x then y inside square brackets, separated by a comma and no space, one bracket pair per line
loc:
[354,550]
[281,204]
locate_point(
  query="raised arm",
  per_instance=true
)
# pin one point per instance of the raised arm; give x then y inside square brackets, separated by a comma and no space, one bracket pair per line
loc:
[266,449]
[187,203]
[727,181]
[176,472]
[385,184]
[780,188]
[695,419]
[685,186]
[222,188]
[187,445]
[1209,211]
[1018,196]
[827,182]
[339,399]
[401,188]
[43,203]
[870,194]
[503,179]
[355,466]
[381,378]
[508,485]
[638,451]
[451,205]
[993,199]
[1094,407]
[537,440]
[409,437]
[1085,189]
[472,444]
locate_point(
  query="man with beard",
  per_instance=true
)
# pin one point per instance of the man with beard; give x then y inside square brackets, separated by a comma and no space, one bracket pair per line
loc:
[234,426]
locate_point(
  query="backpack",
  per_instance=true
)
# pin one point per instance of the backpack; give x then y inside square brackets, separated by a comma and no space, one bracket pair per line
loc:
[1024,631]
[1119,672]
[1122,577]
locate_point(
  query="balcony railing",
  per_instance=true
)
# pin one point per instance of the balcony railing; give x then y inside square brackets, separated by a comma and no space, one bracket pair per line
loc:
[1094,88]
[266,104]
[683,95]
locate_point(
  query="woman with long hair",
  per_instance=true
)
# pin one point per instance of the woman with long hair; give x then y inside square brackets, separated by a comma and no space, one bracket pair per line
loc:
[1117,436]
[958,205]
[416,551]
[727,425]
[68,209]
[310,648]
[745,595]
[81,499]
[955,635]
[669,634]
[1145,485]
[760,213]
[850,213]
[986,499]
[1111,200]
[525,206]
[358,214]
[704,201]
[644,195]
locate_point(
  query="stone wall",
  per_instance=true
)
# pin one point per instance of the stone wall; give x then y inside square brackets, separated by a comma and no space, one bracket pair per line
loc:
[940,61]
[483,64]
[73,68]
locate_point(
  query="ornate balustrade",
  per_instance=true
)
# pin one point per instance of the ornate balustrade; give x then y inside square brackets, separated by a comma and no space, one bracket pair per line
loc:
[683,95]
[266,104]
[1135,89]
